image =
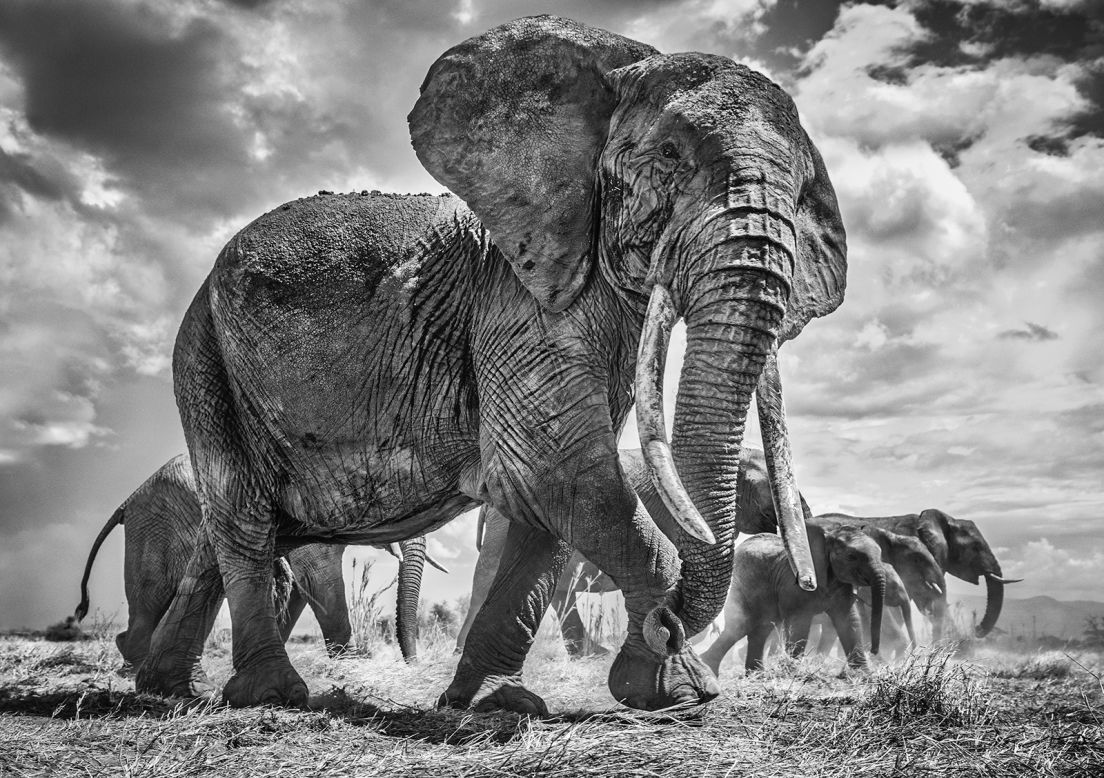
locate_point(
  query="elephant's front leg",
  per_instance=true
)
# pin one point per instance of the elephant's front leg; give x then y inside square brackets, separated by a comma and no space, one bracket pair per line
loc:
[172,666]
[846,620]
[656,667]
[489,672]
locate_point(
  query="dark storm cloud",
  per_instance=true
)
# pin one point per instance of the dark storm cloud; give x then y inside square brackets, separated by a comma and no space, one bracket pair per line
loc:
[1033,332]
[964,34]
[22,173]
[121,83]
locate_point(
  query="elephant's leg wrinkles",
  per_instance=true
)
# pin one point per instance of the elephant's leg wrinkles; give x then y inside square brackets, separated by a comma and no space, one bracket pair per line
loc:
[489,672]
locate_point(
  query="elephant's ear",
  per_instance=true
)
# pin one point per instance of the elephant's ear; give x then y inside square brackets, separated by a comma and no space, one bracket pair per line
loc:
[820,270]
[513,121]
[932,532]
[818,548]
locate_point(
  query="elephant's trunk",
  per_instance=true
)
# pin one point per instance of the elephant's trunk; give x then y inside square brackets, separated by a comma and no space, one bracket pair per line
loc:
[731,325]
[877,600]
[994,601]
[410,586]
[906,617]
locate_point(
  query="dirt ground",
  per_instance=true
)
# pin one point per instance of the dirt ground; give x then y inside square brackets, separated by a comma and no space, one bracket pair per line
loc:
[65,711]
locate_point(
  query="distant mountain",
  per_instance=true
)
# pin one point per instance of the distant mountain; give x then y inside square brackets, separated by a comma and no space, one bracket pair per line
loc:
[1035,616]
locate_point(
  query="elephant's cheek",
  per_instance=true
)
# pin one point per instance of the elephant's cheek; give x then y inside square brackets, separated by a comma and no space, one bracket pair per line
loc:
[641,680]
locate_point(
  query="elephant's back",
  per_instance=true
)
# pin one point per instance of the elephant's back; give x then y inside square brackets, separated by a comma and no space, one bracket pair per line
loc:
[317,246]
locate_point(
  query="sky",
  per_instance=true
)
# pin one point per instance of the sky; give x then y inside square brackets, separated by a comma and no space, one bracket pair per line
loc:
[965,140]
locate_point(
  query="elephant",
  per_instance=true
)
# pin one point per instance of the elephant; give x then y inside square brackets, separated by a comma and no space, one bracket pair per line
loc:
[363,368]
[958,547]
[162,519]
[919,574]
[764,595]
[755,514]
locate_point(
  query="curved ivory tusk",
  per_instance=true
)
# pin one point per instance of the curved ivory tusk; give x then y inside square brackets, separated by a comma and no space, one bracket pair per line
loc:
[998,579]
[776,448]
[436,564]
[394,550]
[649,415]
[934,587]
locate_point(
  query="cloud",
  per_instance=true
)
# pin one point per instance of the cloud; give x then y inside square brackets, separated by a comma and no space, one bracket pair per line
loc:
[1034,332]
[1060,573]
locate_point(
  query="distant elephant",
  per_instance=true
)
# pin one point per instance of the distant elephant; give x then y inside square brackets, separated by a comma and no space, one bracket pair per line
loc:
[162,519]
[959,549]
[764,595]
[919,573]
[365,368]
[755,513]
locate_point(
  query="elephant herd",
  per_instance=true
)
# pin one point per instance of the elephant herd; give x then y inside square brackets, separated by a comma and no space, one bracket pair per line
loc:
[363,368]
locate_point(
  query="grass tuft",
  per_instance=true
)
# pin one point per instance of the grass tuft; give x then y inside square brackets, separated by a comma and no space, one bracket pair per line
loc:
[928,687]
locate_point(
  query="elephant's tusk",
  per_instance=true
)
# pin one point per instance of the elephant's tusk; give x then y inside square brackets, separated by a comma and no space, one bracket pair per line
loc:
[998,579]
[649,416]
[934,587]
[787,499]
[394,550]
[436,564]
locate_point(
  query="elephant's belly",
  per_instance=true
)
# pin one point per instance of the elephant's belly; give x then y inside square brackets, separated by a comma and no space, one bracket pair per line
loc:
[372,493]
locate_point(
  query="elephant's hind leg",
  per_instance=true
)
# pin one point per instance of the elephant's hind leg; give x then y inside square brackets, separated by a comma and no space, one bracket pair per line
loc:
[757,646]
[172,666]
[489,673]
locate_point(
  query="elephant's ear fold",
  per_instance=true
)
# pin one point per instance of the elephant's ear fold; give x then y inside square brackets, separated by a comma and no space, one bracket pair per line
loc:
[820,270]
[513,121]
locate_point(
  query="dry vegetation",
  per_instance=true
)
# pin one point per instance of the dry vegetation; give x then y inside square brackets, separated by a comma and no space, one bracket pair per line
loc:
[64,711]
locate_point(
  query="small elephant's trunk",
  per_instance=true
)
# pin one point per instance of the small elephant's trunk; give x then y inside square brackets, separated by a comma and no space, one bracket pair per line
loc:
[877,600]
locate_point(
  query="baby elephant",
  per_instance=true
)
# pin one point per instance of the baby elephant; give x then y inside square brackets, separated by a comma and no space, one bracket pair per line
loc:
[162,519]
[765,594]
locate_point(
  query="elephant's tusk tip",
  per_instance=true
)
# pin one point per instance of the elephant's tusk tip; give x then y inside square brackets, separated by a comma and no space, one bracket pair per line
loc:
[807,582]
[696,527]
[998,579]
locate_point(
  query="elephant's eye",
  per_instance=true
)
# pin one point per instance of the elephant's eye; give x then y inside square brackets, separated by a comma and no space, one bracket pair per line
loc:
[669,150]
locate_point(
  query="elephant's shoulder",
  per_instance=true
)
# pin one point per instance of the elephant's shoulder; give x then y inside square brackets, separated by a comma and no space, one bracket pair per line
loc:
[357,238]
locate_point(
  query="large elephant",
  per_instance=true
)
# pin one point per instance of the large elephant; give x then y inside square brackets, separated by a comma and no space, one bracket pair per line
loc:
[162,521]
[754,514]
[363,369]
[765,596]
[959,549]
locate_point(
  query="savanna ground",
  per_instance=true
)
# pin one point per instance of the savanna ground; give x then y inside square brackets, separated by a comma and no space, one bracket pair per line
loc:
[65,711]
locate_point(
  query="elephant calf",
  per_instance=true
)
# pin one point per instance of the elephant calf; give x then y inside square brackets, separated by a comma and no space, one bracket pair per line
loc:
[765,594]
[162,519]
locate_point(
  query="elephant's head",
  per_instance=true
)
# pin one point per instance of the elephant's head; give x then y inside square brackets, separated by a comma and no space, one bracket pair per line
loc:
[855,558]
[685,182]
[917,568]
[964,553]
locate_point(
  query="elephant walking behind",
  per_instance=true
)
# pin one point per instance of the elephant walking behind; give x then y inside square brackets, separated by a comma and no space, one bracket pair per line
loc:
[765,595]
[162,524]
[958,548]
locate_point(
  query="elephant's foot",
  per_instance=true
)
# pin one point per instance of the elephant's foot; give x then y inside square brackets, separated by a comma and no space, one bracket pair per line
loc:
[494,693]
[641,679]
[170,678]
[271,683]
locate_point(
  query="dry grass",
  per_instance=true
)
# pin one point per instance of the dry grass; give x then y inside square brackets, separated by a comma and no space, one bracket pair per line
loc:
[63,711]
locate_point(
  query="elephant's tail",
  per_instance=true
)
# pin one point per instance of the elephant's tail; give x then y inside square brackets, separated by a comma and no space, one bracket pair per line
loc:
[115,520]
